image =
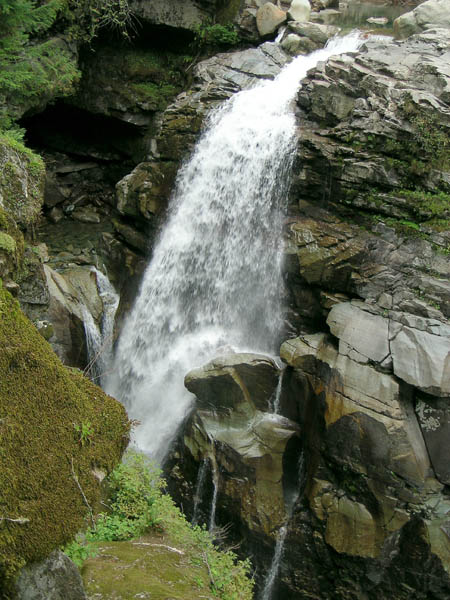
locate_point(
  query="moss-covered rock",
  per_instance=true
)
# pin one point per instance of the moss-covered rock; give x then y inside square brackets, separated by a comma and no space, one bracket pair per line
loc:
[11,245]
[22,178]
[55,428]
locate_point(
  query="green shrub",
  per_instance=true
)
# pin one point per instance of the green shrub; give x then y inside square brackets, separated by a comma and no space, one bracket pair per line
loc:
[215,36]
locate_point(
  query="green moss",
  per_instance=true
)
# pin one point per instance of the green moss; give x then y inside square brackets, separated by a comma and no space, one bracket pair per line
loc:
[157,95]
[12,243]
[7,243]
[40,400]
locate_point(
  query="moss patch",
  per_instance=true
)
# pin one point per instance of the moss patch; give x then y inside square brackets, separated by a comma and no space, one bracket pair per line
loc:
[11,245]
[151,566]
[40,402]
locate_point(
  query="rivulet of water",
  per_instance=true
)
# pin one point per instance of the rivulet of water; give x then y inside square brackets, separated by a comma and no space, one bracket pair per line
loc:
[215,274]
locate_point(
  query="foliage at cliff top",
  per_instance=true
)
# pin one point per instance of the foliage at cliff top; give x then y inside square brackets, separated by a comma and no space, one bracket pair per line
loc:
[55,428]
[38,48]
[139,507]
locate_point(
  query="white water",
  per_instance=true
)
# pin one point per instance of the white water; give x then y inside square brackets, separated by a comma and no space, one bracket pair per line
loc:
[99,339]
[215,275]
[277,394]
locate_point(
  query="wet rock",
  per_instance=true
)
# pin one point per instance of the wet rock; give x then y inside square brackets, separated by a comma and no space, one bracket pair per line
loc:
[52,579]
[269,18]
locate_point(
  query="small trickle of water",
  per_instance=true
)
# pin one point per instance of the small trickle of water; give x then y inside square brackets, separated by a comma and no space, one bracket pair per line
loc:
[212,514]
[274,567]
[277,394]
[199,490]
[290,503]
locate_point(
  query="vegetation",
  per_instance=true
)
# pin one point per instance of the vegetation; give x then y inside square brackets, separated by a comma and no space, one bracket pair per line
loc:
[137,506]
[43,467]
[28,70]
[215,36]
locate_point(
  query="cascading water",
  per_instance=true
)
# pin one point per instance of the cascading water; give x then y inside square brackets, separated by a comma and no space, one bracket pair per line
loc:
[99,339]
[215,275]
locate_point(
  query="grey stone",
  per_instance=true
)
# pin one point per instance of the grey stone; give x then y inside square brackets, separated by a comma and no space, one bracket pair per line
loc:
[433,13]
[300,10]
[423,360]
[360,330]
[55,578]
[269,18]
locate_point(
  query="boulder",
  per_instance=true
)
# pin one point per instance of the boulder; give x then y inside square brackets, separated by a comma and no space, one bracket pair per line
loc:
[269,18]
[235,431]
[300,11]
[51,579]
[433,13]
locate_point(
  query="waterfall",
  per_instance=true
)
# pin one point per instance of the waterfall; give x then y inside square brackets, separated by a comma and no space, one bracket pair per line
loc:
[99,339]
[215,277]
[199,489]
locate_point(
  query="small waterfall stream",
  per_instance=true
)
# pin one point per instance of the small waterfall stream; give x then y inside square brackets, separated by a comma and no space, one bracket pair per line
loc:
[201,475]
[99,339]
[212,514]
[290,501]
[215,277]
[277,394]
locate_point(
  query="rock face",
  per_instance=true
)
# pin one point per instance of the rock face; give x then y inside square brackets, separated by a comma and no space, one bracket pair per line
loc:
[54,578]
[433,13]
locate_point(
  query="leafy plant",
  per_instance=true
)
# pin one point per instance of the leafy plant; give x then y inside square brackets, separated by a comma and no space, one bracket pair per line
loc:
[215,35]
[84,432]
